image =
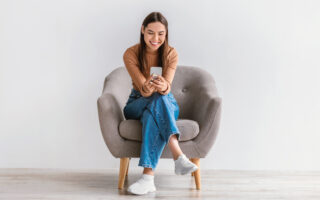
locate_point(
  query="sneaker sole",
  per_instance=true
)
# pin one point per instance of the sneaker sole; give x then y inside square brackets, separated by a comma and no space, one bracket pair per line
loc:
[151,190]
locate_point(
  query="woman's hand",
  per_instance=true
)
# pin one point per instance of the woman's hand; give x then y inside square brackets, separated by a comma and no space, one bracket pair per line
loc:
[160,83]
[148,86]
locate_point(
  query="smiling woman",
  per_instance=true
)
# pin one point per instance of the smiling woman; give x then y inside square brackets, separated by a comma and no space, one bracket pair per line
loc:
[152,102]
[153,50]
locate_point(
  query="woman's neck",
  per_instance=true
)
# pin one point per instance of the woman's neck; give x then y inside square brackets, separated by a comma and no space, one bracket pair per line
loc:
[149,51]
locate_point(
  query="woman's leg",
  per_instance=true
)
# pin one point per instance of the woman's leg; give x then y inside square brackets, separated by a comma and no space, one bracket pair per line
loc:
[150,149]
[158,124]
[165,111]
[135,107]
[152,143]
[147,170]
[174,147]
[134,110]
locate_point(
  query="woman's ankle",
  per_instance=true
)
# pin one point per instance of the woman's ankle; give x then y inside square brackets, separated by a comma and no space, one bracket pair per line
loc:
[148,171]
[175,157]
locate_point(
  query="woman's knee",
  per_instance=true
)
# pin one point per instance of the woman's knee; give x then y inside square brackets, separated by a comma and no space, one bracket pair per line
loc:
[130,113]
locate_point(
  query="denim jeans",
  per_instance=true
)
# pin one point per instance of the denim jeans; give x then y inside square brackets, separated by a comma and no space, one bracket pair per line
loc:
[157,114]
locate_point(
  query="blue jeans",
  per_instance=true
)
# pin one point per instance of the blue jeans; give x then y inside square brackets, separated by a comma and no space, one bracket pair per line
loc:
[157,114]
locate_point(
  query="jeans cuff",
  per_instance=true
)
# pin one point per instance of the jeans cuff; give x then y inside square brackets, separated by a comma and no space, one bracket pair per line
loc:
[147,166]
[174,133]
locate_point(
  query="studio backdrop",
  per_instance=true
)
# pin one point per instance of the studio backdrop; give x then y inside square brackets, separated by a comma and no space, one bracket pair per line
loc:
[264,56]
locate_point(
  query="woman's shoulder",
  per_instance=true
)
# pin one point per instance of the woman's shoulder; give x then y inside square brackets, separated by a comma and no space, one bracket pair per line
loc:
[132,51]
[172,53]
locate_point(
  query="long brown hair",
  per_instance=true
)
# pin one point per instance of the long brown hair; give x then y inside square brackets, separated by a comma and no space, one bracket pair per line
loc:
[153,17]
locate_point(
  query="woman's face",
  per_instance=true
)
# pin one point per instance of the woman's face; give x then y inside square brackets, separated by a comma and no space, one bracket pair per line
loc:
[154,35]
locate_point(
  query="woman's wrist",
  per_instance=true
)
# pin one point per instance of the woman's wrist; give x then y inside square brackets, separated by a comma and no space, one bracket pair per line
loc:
[166,88]
[144,90]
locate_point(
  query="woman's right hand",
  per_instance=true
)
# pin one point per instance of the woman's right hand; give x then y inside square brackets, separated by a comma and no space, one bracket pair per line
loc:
[148,87]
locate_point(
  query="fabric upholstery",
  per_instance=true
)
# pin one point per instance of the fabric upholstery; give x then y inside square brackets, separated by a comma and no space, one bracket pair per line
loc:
[131,129]
[197,96]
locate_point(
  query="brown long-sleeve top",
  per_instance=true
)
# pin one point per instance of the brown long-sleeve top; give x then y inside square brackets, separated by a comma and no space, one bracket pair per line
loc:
[131,61]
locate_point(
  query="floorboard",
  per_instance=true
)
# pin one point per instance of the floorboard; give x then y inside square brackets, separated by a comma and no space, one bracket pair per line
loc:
[102,184]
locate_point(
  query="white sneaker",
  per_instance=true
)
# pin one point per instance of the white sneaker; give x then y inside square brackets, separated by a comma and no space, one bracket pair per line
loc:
[142,186]
[184,166]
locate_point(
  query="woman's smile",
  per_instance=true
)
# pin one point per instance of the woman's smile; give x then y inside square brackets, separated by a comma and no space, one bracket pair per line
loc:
[155,43]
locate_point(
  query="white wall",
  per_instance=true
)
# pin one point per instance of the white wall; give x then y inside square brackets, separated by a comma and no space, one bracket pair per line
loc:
[264,55]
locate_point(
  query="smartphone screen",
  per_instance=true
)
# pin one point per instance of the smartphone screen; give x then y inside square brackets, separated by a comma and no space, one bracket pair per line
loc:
[156,70]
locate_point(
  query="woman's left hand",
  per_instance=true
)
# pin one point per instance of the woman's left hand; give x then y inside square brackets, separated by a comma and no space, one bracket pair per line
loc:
[160,83]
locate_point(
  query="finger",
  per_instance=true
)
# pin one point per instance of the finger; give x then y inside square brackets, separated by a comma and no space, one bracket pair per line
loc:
[150,82]
[161,78]
[158,82]
[153,82]
[155,86]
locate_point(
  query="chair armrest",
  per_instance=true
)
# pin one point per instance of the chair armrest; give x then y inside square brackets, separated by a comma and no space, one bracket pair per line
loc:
[207,112]
[110,116]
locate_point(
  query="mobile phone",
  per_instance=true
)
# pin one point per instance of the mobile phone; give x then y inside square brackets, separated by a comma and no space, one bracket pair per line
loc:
[155,70]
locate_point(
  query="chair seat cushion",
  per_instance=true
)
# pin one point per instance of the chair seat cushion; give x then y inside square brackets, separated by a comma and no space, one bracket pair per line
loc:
[132,129]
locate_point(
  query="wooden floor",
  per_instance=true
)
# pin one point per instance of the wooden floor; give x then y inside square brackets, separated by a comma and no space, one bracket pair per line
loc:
[102,184]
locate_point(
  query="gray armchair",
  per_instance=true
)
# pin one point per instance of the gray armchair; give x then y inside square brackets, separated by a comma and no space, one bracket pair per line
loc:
[198,121]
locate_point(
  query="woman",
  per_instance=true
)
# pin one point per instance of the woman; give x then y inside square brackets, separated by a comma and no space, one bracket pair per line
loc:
[151,101]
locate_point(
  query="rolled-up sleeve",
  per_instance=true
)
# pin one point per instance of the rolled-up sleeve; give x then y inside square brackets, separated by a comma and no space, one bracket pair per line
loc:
[170,69]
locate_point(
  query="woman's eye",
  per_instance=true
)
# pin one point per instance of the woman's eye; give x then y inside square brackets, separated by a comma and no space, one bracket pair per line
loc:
[152,34]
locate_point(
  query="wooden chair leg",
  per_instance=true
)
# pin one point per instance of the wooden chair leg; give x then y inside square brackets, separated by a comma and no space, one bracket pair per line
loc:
[197,177]
[124,162]
[128,167]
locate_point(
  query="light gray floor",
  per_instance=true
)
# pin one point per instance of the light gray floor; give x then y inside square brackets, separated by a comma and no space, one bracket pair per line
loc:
[102,184]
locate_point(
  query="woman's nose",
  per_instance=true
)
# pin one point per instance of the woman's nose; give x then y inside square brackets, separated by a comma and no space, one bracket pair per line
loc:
[156,37]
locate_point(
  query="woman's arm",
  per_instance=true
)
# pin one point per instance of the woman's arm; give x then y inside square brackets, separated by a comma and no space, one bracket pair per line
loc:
[169,70]
[131,62]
